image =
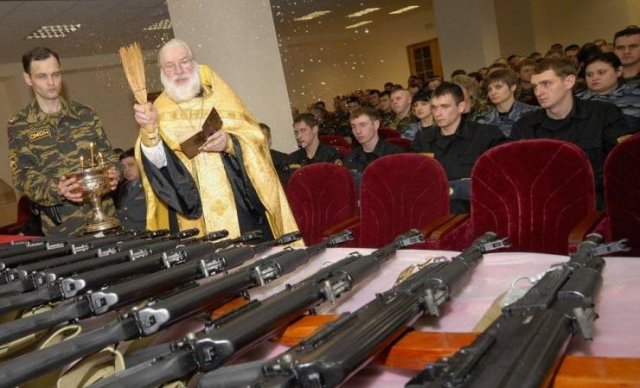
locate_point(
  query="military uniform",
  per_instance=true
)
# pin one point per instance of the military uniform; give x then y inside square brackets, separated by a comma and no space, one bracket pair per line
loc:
[44,147]
[457,153]
[131,205]
[357,159]
[403,125]
[299,158]
[594,126]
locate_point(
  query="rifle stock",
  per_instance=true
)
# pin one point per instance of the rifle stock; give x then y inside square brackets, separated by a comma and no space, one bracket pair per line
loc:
[341,348]
[524,345]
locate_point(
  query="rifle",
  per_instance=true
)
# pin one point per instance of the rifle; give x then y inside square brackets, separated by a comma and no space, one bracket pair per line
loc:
[141,239]
[338,350]
[59,247]
[162,313]
[524,345]
[255,322]
[109,298]
[150,258]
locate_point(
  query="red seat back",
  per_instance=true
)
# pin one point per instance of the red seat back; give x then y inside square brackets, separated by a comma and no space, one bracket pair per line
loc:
[400,192]
[622,192]
[321,195]
[533,191]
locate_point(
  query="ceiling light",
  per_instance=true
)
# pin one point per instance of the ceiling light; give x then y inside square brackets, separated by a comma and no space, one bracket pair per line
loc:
[405,9]
[359,24]
[53,31]
[363,12]
[164,24]
[312,15]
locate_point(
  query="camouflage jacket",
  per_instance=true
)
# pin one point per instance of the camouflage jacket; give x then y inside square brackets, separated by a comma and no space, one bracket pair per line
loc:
[43,148]
[404,124]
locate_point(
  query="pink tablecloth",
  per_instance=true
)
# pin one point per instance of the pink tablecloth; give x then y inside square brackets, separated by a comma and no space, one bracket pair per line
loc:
[618,305]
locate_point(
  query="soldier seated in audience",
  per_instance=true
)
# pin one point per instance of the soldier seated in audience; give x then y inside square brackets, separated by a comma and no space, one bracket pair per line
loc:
[401,105]
[305,129]
[594,126]
[504,110]
[524,92]
[130,200]
[364,124]
[603,74]
[626,45]
[422,110]
[387,115]
[454,142]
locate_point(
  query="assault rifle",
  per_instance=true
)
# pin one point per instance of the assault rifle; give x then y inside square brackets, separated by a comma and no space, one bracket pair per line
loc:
[255,322]
[144,239]
[146,259]
[523,346]
[112,297]
[340,349]
[162,313]
[28,277]
[59,247]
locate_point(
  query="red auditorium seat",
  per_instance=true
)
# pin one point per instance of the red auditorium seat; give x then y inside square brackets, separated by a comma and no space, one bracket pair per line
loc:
[399,192]
[321,195]
[334,140]
[540,193]
[622,193]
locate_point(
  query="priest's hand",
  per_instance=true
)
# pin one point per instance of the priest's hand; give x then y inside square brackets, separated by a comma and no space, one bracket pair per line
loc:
[69,188]
[114,177]
[146,114]
[216,142]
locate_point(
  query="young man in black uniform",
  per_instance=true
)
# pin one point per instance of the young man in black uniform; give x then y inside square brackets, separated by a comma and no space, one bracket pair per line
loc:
[596,127]
[305,129]
[365,122]
[454,142]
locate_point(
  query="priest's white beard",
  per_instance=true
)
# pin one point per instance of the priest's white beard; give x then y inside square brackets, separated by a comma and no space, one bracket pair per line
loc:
[182,92]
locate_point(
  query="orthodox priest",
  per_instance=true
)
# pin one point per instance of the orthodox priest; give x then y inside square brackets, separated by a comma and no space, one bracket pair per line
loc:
[223,181]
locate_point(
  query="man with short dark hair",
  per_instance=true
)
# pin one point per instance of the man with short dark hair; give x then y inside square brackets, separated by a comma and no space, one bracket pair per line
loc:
[454,142]
[596,127]
[626,45]
[571,53]
[374,98]
[48,141]
[387,116]
[365,123]
[305,129]
[130,200]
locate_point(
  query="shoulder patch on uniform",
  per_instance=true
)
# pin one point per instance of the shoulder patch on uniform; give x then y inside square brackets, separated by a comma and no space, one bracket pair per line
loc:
[623,138]
[39,134]
[13,164]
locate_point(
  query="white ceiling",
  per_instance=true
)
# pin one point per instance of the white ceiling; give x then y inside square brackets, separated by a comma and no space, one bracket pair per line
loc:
[110,24]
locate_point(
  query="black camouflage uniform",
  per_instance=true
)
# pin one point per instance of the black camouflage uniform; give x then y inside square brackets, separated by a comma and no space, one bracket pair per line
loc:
[43,148]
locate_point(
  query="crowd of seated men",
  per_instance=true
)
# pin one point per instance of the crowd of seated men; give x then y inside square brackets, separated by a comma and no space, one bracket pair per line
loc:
[586,95]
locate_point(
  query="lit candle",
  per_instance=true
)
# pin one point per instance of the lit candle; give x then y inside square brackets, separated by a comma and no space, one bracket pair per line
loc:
[101,159]
[81,163]
[92,161]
